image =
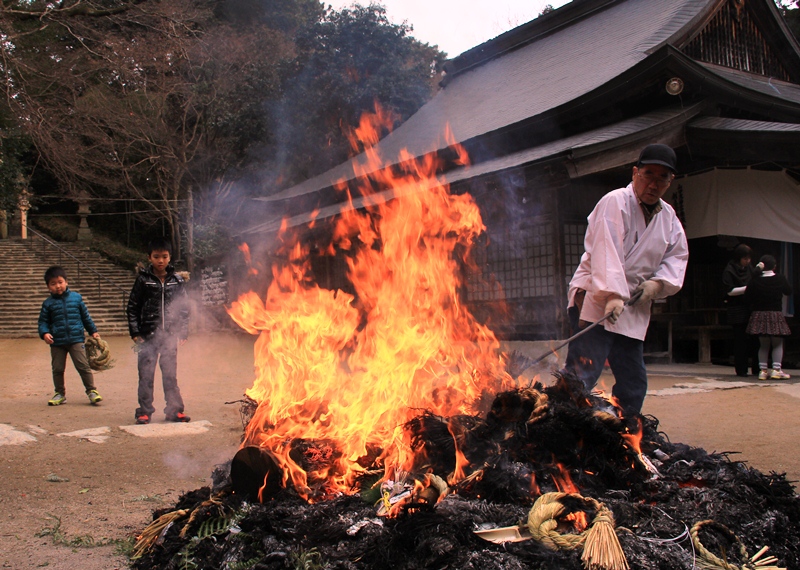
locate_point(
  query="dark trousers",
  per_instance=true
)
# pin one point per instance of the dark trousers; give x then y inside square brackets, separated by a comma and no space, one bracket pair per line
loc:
[587,356]
[745,350]
[58,358]
[161,348]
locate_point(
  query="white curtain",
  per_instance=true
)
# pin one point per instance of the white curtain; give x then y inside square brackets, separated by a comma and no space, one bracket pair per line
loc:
[746,203]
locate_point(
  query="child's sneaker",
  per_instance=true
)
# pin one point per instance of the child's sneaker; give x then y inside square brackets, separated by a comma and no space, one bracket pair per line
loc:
[57,400]
[179,417]
[778,374]
[143,419]
[763,374]
[94,397]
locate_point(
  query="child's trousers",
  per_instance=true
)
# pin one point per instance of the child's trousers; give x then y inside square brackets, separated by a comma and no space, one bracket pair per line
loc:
[161,348]
[58,356]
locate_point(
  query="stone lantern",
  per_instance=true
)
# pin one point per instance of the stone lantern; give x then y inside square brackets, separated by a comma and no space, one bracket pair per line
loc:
[24,204]
[84,231]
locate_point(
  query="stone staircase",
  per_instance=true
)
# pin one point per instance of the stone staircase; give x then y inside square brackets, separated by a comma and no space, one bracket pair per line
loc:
[22,286]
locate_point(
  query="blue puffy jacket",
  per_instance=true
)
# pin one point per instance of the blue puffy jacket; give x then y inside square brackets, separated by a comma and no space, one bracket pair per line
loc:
[65,316]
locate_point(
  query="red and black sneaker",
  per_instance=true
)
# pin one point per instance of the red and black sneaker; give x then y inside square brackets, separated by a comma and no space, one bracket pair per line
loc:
[179,417]
[143,419]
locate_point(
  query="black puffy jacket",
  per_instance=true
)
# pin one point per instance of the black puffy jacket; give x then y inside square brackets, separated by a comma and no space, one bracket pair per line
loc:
[154,305]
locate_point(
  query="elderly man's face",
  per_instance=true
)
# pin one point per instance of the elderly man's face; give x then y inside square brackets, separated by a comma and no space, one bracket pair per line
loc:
[650,181]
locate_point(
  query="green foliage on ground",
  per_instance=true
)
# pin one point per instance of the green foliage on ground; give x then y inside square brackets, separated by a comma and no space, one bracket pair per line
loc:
[59,537]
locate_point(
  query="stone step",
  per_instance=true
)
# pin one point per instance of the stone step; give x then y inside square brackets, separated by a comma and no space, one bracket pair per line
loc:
[22,289]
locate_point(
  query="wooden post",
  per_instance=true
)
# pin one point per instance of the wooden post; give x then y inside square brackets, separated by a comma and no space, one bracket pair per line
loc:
[190,233]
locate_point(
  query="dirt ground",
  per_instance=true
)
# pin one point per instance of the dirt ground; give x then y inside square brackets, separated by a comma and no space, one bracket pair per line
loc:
[62,493]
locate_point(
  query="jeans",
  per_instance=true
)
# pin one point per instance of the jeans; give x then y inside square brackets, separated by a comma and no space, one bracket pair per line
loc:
[165,346]
[587,356]
[58,358]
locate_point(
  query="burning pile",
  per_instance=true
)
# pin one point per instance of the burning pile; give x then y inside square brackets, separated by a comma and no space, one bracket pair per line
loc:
[352,368]
[534,442]
[387,430]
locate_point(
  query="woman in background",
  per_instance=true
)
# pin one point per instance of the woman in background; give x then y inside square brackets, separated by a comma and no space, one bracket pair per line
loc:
[736,277]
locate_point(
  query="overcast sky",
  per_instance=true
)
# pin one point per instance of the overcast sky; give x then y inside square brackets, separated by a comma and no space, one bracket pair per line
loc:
[458,25]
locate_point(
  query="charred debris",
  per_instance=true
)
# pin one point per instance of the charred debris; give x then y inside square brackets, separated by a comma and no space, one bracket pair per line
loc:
[671,506]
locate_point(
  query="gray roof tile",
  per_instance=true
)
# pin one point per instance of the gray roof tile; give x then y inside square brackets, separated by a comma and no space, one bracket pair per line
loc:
[531,80]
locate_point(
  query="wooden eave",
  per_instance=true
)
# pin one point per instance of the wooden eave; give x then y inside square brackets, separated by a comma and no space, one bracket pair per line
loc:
[769,22]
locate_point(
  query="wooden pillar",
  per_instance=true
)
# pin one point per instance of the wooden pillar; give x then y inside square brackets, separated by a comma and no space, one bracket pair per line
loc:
[559,183]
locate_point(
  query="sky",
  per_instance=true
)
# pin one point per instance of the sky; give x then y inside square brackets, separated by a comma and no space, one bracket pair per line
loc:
[458,25]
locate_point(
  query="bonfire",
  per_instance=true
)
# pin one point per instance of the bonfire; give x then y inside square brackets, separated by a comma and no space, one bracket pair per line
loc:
[386,429]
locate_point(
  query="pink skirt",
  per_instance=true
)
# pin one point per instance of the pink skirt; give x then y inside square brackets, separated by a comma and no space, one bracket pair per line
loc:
[769,323]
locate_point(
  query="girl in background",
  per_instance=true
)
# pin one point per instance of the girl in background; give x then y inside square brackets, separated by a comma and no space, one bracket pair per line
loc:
[765,294]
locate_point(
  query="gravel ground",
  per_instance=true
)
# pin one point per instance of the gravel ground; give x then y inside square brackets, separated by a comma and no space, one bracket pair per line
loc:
[72,500]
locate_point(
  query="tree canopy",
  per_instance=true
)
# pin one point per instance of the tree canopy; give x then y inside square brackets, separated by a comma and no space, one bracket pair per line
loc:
[160,100]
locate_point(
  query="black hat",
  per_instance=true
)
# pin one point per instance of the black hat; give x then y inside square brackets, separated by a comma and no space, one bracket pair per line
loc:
[659,154]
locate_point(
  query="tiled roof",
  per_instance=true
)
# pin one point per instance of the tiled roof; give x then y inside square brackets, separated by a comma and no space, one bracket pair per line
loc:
[583,144]
[542,66]
[533,79]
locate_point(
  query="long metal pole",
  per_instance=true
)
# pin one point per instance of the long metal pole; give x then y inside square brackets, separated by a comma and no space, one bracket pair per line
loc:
[582,332]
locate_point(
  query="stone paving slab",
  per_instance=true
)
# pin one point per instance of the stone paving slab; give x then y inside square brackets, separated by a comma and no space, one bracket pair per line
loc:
[93,435]
[167,429]
[9,435]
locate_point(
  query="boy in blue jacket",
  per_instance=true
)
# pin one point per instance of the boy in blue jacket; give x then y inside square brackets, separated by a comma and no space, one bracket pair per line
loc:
[62,320]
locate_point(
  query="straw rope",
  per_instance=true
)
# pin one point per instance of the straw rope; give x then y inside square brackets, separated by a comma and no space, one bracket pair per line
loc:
[709,561]
[98,353]
[601,548]
[154,530]
[540,408]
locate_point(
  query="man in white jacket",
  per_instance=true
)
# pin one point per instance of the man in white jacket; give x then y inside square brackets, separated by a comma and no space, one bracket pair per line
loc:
[634,242]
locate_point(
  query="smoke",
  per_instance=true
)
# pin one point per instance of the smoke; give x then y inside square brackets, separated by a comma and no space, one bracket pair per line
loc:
[184,465]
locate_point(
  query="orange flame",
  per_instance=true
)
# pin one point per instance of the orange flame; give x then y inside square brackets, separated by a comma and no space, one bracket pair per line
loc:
[564,483]
[635,439]
[352,368]
[245,249]
[461,459]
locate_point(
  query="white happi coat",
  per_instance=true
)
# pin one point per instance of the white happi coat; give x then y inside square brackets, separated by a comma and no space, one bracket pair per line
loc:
[622,252]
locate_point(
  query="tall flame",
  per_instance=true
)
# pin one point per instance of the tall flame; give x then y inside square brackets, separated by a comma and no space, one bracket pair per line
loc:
[351,368]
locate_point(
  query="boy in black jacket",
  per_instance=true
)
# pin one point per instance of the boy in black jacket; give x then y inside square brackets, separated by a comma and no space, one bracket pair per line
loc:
[158,318]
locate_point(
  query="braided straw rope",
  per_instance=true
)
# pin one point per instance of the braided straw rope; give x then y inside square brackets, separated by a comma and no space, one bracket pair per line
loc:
[153,531]
[708,561]
[601,548]
[541,404]
[98,353]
